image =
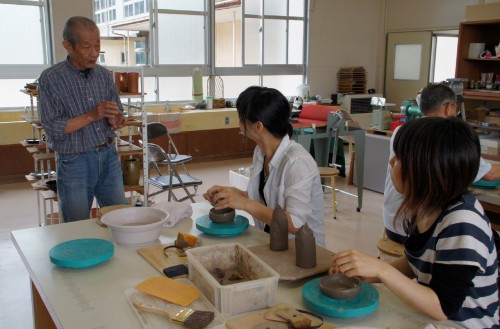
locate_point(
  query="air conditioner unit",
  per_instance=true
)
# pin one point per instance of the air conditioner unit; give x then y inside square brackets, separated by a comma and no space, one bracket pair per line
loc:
[359,106]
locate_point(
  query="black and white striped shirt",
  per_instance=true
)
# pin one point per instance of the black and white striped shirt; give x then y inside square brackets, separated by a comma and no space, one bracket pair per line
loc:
[461,236]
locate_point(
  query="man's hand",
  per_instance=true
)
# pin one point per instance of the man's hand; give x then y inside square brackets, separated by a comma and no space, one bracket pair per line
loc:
[118,121]
[105,110]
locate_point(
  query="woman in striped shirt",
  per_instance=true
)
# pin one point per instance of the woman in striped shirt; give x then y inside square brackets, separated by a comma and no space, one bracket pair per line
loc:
[450,268]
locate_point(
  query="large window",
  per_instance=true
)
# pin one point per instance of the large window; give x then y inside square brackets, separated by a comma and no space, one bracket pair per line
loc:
[444,55]
[246,42]
[24,56]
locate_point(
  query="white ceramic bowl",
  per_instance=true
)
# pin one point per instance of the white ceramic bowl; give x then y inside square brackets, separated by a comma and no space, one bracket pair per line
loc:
[135,226]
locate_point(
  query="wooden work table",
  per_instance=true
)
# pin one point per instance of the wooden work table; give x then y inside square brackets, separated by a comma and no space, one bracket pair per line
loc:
[94,297]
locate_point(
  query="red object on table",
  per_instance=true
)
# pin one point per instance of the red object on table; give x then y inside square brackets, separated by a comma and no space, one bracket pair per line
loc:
[314,114]
[398,122]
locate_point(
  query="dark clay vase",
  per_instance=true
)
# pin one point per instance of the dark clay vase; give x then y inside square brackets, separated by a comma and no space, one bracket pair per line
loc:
[305,248]
[278,230]
[131,171]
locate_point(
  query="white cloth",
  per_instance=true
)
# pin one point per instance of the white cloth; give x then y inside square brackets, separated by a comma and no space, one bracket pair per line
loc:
[393,199]
[177,211]
[294,184]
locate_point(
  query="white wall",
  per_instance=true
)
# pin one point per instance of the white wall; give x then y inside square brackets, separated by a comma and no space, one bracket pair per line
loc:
[345,33]
[353,33]
[61,11]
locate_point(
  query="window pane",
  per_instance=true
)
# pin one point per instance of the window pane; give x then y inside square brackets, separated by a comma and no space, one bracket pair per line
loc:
[252,41]
[234,85]
[252,7]
[176,88]
[274,41]
[18,48]
[295,42]
[296,8]
[275,7]
[16,98]
[196,5]
[228,37]
[287,84]
[446,54]
[149,88]
[407,59]
[181,39]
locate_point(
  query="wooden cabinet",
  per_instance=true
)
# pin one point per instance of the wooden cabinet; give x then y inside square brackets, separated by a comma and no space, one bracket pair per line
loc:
[487,32]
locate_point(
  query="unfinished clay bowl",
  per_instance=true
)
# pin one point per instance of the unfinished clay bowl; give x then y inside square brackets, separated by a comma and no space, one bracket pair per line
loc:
[222,216]
[340,286]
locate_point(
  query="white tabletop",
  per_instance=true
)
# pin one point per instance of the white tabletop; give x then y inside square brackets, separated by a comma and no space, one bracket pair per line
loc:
[94,297]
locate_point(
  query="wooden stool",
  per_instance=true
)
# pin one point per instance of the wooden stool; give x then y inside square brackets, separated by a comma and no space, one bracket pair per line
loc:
[390,248]
[329,172]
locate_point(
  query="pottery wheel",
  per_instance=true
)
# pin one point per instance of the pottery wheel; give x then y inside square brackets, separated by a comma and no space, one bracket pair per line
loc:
[81,253]
[365,303]
[237,226]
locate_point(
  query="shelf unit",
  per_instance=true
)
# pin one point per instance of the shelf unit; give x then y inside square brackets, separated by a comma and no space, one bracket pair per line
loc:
[487,32]
[132,149]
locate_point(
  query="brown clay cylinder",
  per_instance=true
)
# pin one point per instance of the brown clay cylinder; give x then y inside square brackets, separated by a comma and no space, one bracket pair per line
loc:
[133,82]
[278,230]
[124,82]
[118,81]
[131,171]
[305,248]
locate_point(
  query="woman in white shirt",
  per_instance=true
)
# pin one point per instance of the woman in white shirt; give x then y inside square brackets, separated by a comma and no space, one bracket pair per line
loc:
[283,174]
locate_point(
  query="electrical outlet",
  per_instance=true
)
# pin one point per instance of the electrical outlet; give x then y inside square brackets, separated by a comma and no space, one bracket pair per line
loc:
[226,121]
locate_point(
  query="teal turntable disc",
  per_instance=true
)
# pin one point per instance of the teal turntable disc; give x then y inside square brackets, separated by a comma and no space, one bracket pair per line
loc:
[233,228]
[365,303]
[484,184]
[81,253]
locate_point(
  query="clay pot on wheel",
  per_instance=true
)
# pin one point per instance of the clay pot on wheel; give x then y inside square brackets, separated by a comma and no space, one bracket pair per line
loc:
[131,171]
[222,216]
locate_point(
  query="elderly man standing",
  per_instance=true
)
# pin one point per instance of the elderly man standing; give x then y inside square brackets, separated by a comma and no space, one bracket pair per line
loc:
[80,109]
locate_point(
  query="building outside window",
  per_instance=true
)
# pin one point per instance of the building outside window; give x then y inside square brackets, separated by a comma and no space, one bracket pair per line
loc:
[140,53]
[246,42]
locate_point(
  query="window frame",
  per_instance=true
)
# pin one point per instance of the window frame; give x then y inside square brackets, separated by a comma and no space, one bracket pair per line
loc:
[177,70]
[26,71]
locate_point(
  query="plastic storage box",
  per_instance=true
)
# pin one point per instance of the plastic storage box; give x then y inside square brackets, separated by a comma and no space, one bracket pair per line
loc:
[238,297]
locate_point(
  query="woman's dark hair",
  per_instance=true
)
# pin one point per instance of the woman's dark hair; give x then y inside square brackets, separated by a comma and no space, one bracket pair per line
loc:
[266,105]
[439,160]
[72,26]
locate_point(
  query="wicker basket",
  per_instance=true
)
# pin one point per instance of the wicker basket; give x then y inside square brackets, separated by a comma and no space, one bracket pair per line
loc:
[215,88]
[219,103]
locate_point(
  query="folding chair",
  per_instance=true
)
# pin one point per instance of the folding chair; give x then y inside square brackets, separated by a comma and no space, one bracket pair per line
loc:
[174,162]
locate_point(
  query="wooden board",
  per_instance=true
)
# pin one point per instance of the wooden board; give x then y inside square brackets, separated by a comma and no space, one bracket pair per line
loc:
[250,320]
[283,262]
[154,255]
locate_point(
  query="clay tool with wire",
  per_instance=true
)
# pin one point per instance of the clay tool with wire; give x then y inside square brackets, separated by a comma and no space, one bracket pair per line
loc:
[190,318]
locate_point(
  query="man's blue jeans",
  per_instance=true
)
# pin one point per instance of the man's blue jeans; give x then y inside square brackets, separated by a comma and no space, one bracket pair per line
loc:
[81,176]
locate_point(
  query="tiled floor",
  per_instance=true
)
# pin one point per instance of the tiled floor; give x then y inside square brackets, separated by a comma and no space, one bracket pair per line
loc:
[18,204]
